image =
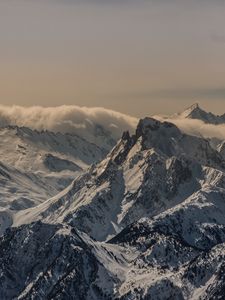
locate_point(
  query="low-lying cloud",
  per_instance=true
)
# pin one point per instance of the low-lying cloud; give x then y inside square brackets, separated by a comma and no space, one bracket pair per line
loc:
[197,127]
[71,119]
[83,121]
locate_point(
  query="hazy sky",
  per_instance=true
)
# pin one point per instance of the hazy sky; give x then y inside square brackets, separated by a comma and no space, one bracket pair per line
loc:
[134,56]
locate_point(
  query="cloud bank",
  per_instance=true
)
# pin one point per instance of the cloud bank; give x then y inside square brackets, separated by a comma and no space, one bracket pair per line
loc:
[71,119]
[83,121]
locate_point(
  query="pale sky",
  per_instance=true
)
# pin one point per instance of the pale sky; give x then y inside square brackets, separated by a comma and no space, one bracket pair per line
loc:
[155,56]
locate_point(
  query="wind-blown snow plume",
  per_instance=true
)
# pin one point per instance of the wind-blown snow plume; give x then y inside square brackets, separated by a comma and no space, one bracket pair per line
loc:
[72,119]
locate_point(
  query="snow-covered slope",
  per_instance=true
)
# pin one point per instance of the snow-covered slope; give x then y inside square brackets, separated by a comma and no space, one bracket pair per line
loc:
[20,190]
[147,222]
[43,261]
[160,258]
[144,174]
[27,149]
[183,247]
[35,166]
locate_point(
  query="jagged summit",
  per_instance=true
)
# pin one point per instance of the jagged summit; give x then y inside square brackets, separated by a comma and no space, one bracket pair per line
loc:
[192,111]
[192,108]
[150,133]
[196,112]
[167,139]
[147,125]
[142,174]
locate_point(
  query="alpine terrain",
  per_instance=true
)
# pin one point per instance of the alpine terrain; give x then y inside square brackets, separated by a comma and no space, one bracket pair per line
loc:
[145,221]
[37,165]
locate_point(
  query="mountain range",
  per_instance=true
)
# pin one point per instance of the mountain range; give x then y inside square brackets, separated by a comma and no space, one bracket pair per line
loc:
[145,221]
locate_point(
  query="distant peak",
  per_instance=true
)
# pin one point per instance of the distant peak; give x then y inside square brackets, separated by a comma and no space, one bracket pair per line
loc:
[193,110]
[196,112]
[193,107]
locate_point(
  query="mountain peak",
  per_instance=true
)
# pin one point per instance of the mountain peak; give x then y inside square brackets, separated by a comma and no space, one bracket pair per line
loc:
[192,111]
[196,112]
[148,124]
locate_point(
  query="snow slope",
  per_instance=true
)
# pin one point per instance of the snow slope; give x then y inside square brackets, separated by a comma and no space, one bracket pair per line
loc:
[35,166]
[27,149]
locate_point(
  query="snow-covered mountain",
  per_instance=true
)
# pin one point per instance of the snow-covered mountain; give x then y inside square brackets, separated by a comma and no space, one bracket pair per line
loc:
[29,149]
[147,222]
[196,112]
[35,166]
[144,174]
